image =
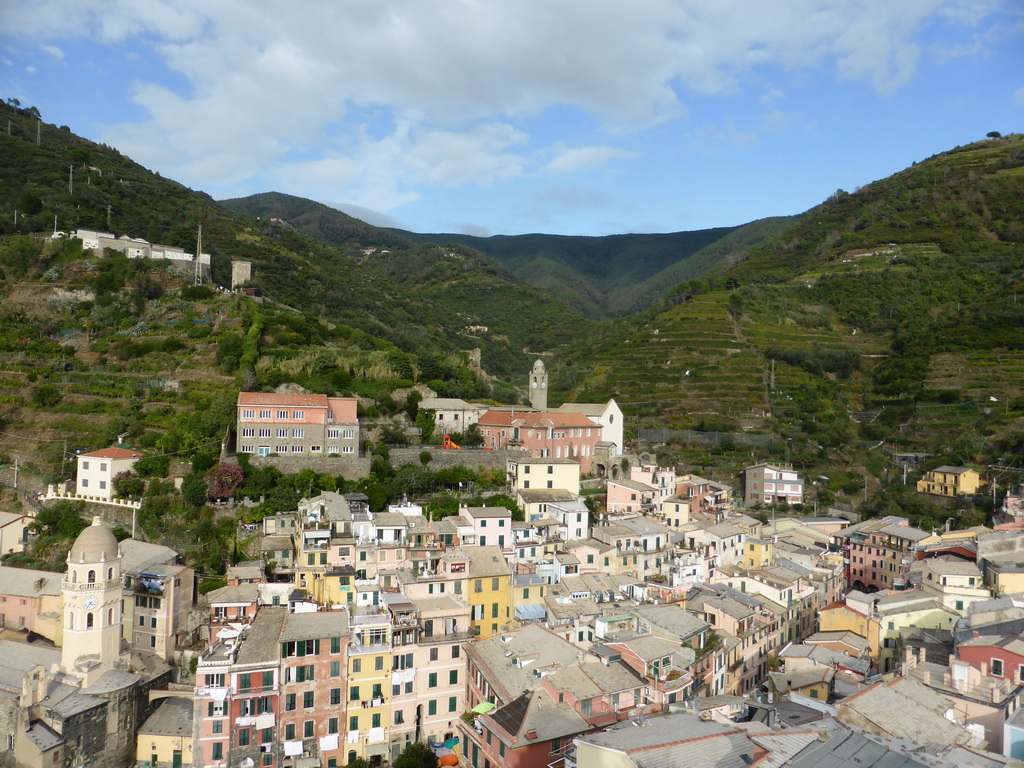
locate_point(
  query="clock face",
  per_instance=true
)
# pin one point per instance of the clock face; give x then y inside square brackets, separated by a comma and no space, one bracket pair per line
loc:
[90,602]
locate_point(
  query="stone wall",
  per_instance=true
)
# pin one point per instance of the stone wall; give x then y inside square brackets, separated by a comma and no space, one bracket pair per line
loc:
[349,467]
[471,458]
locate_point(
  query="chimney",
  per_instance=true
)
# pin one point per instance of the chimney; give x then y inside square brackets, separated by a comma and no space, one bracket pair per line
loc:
[921,654]
[926,677]
[532,733]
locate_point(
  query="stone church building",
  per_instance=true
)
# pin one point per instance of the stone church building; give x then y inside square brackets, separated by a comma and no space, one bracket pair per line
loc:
[79,705]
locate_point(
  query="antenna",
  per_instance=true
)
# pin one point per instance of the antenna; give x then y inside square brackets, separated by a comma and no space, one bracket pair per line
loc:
[199,252]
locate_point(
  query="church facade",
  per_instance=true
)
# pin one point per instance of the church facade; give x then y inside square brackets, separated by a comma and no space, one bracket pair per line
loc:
[81,704]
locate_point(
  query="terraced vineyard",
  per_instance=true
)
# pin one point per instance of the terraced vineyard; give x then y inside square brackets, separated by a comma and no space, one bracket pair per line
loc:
[688,361]
[979,375]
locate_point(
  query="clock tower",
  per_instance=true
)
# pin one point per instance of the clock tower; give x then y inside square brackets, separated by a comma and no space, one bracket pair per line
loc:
[92,604]
[539,386]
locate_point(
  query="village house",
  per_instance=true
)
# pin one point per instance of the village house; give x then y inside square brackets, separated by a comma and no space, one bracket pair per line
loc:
[771,484]
[544,435]
[97,470]
[950,482]
[297,424]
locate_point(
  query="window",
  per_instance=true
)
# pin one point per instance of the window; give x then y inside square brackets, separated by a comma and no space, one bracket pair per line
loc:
[332,725]
[494,585]
[353,723]
[247,413]
[265,414]
[478,585]
[432,680]
[265,432]
[218,751]
[453,677]
[243,737]
[378,663]
[375,720]
[432,707]
[298,414]
[298,433]
[453,703]
[433,654]
[997,667]
[357,665]
[399,717]
[218,726]
[268,679]
[307,729]
[289,702]
[353,693]
[335,668]
[307,699]
[289,732]
[455,651]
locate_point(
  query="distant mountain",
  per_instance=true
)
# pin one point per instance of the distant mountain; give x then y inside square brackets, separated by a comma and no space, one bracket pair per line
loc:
[602,276]
[316,219]
[599,276]
[889,314]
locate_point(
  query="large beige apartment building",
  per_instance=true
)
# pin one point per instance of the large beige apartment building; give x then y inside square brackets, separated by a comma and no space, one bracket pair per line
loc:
[297,424]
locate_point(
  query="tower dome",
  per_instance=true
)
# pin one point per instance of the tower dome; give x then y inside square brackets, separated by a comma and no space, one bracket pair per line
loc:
[95,544]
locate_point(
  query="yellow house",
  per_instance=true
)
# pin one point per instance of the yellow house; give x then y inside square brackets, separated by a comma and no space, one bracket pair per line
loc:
[369,681]
[675,511]
[536,474]
[839,617]
[949,481]
[328,578]
[490,591]
[165,740]
[902,610]
[528,592]
[758,553]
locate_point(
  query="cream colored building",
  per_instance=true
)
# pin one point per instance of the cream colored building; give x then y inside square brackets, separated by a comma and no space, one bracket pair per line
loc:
[13,529]
[165,739]
[97,470]
[542,474]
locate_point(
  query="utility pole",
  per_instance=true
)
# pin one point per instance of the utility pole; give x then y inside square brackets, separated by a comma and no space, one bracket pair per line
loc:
[16,468]
[39,133]
[199,252]
[108,217]
[71,179]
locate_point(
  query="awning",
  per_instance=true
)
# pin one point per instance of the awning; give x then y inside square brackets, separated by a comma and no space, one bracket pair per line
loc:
[484,707]
[527,612]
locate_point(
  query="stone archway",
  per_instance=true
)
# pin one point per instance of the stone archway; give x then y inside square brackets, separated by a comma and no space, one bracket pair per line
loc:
[600,470]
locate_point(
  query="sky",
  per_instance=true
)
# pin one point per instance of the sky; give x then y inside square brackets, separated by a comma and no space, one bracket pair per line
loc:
[575,117]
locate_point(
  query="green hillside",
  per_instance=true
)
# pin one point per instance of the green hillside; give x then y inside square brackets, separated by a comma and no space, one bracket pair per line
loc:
[891,314]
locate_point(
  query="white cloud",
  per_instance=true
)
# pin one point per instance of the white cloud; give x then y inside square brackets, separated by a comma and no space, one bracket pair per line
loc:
[457,83]
[54,51]
[580,159]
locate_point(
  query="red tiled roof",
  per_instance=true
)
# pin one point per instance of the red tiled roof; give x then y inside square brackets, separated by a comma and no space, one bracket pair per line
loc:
[535,420]
[272,399]
[114,453]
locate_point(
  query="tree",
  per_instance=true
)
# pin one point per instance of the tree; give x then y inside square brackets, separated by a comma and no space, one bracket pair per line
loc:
[193,492]
[224,480]
[994,135]
[416,755]
[128,485]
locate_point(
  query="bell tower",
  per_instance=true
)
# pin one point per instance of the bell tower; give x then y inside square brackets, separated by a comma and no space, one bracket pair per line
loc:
[92,604]
[539,386]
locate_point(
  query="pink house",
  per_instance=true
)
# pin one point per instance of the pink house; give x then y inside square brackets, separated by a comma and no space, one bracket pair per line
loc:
[995,655]
[631,497]
[544,435]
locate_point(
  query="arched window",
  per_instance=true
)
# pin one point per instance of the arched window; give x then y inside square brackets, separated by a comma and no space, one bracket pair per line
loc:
[88,620]
[110,617]
[71,620]
[91,577]
[110,574]
[74,576]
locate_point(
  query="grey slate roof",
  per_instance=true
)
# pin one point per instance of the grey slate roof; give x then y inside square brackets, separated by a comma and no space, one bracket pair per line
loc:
[846,749]
[173,717]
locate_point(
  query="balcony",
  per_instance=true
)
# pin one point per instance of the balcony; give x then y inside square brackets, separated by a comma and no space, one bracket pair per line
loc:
[357,648]
[673,680]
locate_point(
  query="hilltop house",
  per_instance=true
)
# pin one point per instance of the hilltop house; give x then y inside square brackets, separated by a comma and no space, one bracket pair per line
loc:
[297,424]
[949,481]
[545,435]
[772,485]
[97,470]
